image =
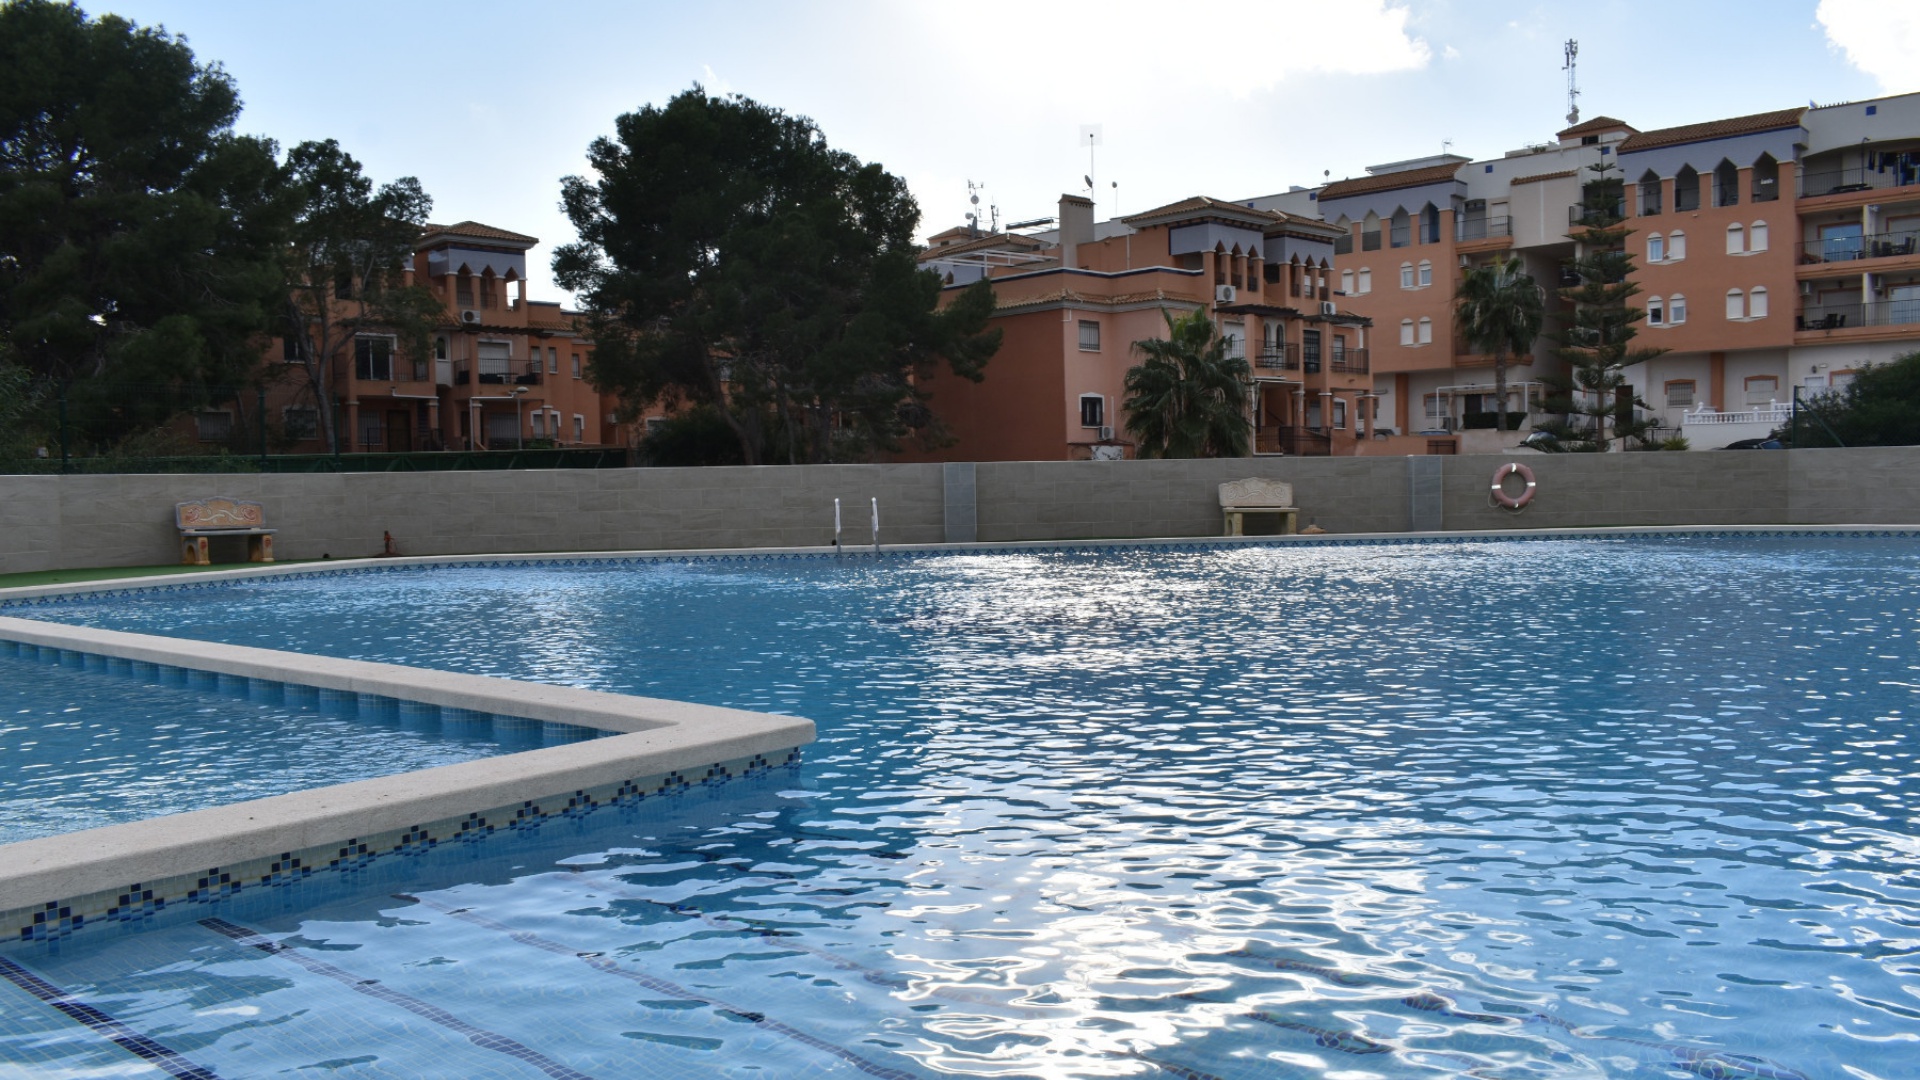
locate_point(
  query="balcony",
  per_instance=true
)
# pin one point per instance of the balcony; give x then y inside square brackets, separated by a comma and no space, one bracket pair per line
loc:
[1351,361]
[512,373]
[1369,241]
[1817,182]
[1279,357]
[1299,441]
[1835,249]
[1584,216]
[1482,228]
[1886,312]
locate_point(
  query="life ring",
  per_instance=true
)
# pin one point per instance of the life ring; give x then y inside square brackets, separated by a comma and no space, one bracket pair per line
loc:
[1512,502]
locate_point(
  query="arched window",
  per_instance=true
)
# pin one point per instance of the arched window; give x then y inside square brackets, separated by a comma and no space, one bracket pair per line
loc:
[1656,247]
[1370,232]
[1429,224]
[1757,236]
[1726,183]
[1426,330]
[1757,302]
[1400,229]
[1346,282]
[1366,280]
[1686,189]
[1426,273]
[1656,311]
[1649,193]
[1406,275]
[1736,305]
[1406,331]
[1736,239]
[1765,179]
[1676,245]
[1676,309]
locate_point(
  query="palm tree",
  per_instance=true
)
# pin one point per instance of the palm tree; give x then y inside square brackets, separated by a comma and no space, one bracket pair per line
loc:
[1189,398]
[1500,309]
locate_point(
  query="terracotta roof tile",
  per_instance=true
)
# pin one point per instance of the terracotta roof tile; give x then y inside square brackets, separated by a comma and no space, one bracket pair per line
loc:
[1200,205]
[1712,129]
[1432,174]
[1598,123]
[480,232]
[985,243]
[1544,176]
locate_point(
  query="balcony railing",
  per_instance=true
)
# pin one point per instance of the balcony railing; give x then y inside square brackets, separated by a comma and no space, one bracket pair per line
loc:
[515,373]
[1369,241]
[1817,182]
[1343,245]
[1584,215]
[1847,316]
[1300,441]
[1482,228]
[1850,248]
[1352,361]
[1279,357]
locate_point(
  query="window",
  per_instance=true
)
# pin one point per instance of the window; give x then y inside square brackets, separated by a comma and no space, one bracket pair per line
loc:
[463,290]
[1406,331]
[1093,410]
[1686,189]
[1406,275]
[1757,236]
[1400,229]
[1680,394]
[1656,311]
[1430,224]
[1340,412]
[1310,351]
[1839,243]
[579,428]
[655,423]
[1762,389]
[553,360]
[1089,336]
[576,365]
[301,422]
[1726,184]
[213,426]
[1736,305]
[1656,247]
[1757,303]
[1366,280]
[1426,330]
[1426,273]
[1346,282]
[1736,239]
[1676,246]
[1235,336]
[1434,406]
[373,359]
[440,347]
[1676,309]
[1649,194]
[539,424]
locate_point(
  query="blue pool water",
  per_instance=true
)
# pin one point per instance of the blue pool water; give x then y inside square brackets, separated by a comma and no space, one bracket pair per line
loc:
[80,748]
[1633,807]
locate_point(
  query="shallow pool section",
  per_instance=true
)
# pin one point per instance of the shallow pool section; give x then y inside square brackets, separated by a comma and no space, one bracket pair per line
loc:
[1604,808]
[122,742]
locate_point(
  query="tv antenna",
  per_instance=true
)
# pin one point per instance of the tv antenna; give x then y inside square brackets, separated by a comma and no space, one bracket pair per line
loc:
[1090,138]
[1573,87]
[973,216]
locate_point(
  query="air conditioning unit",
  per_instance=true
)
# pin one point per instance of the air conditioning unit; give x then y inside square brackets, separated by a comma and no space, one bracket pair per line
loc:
[1224,294]
[1327,307]
[1106,434]
[470,317]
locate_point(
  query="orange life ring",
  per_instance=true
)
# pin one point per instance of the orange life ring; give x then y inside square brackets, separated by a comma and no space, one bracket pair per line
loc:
[1512,502]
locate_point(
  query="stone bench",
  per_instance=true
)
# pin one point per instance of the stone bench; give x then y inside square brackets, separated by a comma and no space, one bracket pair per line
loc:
[1238,498]
[221,516]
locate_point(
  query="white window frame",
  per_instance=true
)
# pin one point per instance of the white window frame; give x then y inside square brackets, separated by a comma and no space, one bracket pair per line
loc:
[539,422]
[1692,389]
[1366,280]
[1406,332]
[1676,309]
[1426,330]
[1426,273]
[1736,305]
[1757,302]
[1656,247]
[1406,275]
[1656,311]
[1676,246]
[1761,389]
[1099,413]
[1736,239]
[579,428]
[1339,414]
[1756,237]
[1346,282]
[576,365]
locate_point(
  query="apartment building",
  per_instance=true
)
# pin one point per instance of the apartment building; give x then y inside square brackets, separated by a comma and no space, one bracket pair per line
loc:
[1072,301]
[505,370]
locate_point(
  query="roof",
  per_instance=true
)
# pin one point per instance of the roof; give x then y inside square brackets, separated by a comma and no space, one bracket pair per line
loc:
[989,242]
[476,231]
[1432,174]
[1199,206]
[1598,123]
[1713,129]
[1091,300]
[1537,178]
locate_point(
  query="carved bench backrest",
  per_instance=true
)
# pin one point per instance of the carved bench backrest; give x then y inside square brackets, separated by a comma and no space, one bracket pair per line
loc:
[219,513]
[1255,491]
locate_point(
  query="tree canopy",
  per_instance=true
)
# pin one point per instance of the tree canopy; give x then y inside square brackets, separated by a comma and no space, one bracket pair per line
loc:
[1500,310]
[138,238]
[729,257]
[1188,398]
[1880,407]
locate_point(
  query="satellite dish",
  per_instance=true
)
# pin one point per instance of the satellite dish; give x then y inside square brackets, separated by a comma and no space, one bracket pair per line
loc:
[1088,179]
[974,199]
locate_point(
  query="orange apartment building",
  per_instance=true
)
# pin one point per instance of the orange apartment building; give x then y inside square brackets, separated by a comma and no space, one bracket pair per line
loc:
[1072,303]
[505,370]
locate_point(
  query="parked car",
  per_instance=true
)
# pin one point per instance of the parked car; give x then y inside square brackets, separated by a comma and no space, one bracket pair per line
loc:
[1768,443]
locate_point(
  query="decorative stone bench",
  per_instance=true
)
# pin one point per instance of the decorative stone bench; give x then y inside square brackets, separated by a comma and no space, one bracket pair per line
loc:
[1238,498]
[221,516]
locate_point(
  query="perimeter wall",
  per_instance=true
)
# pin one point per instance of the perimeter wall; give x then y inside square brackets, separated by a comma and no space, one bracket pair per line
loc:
[61,522]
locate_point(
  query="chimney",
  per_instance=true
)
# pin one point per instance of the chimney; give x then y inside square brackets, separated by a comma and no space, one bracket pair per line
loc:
[1076,227]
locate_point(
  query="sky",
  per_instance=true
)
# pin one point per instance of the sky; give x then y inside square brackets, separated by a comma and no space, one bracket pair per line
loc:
[491,104]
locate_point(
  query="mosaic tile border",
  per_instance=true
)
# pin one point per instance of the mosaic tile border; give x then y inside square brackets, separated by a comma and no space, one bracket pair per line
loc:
[443,564]
[139,903]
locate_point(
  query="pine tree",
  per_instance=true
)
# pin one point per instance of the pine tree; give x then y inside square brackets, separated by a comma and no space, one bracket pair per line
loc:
[1593,395]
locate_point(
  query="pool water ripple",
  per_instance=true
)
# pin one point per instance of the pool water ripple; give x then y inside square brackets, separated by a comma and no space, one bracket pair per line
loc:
[1592,808]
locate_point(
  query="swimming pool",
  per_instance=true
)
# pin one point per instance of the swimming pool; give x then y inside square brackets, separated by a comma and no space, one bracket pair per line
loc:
[1523,808]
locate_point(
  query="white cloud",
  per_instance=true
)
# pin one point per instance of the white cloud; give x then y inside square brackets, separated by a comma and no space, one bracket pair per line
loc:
[1879,38]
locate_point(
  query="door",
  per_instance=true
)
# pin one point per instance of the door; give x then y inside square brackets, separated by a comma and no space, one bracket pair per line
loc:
[399,430]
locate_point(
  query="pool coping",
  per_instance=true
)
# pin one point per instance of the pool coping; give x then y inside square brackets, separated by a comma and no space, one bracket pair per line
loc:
[654,746]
